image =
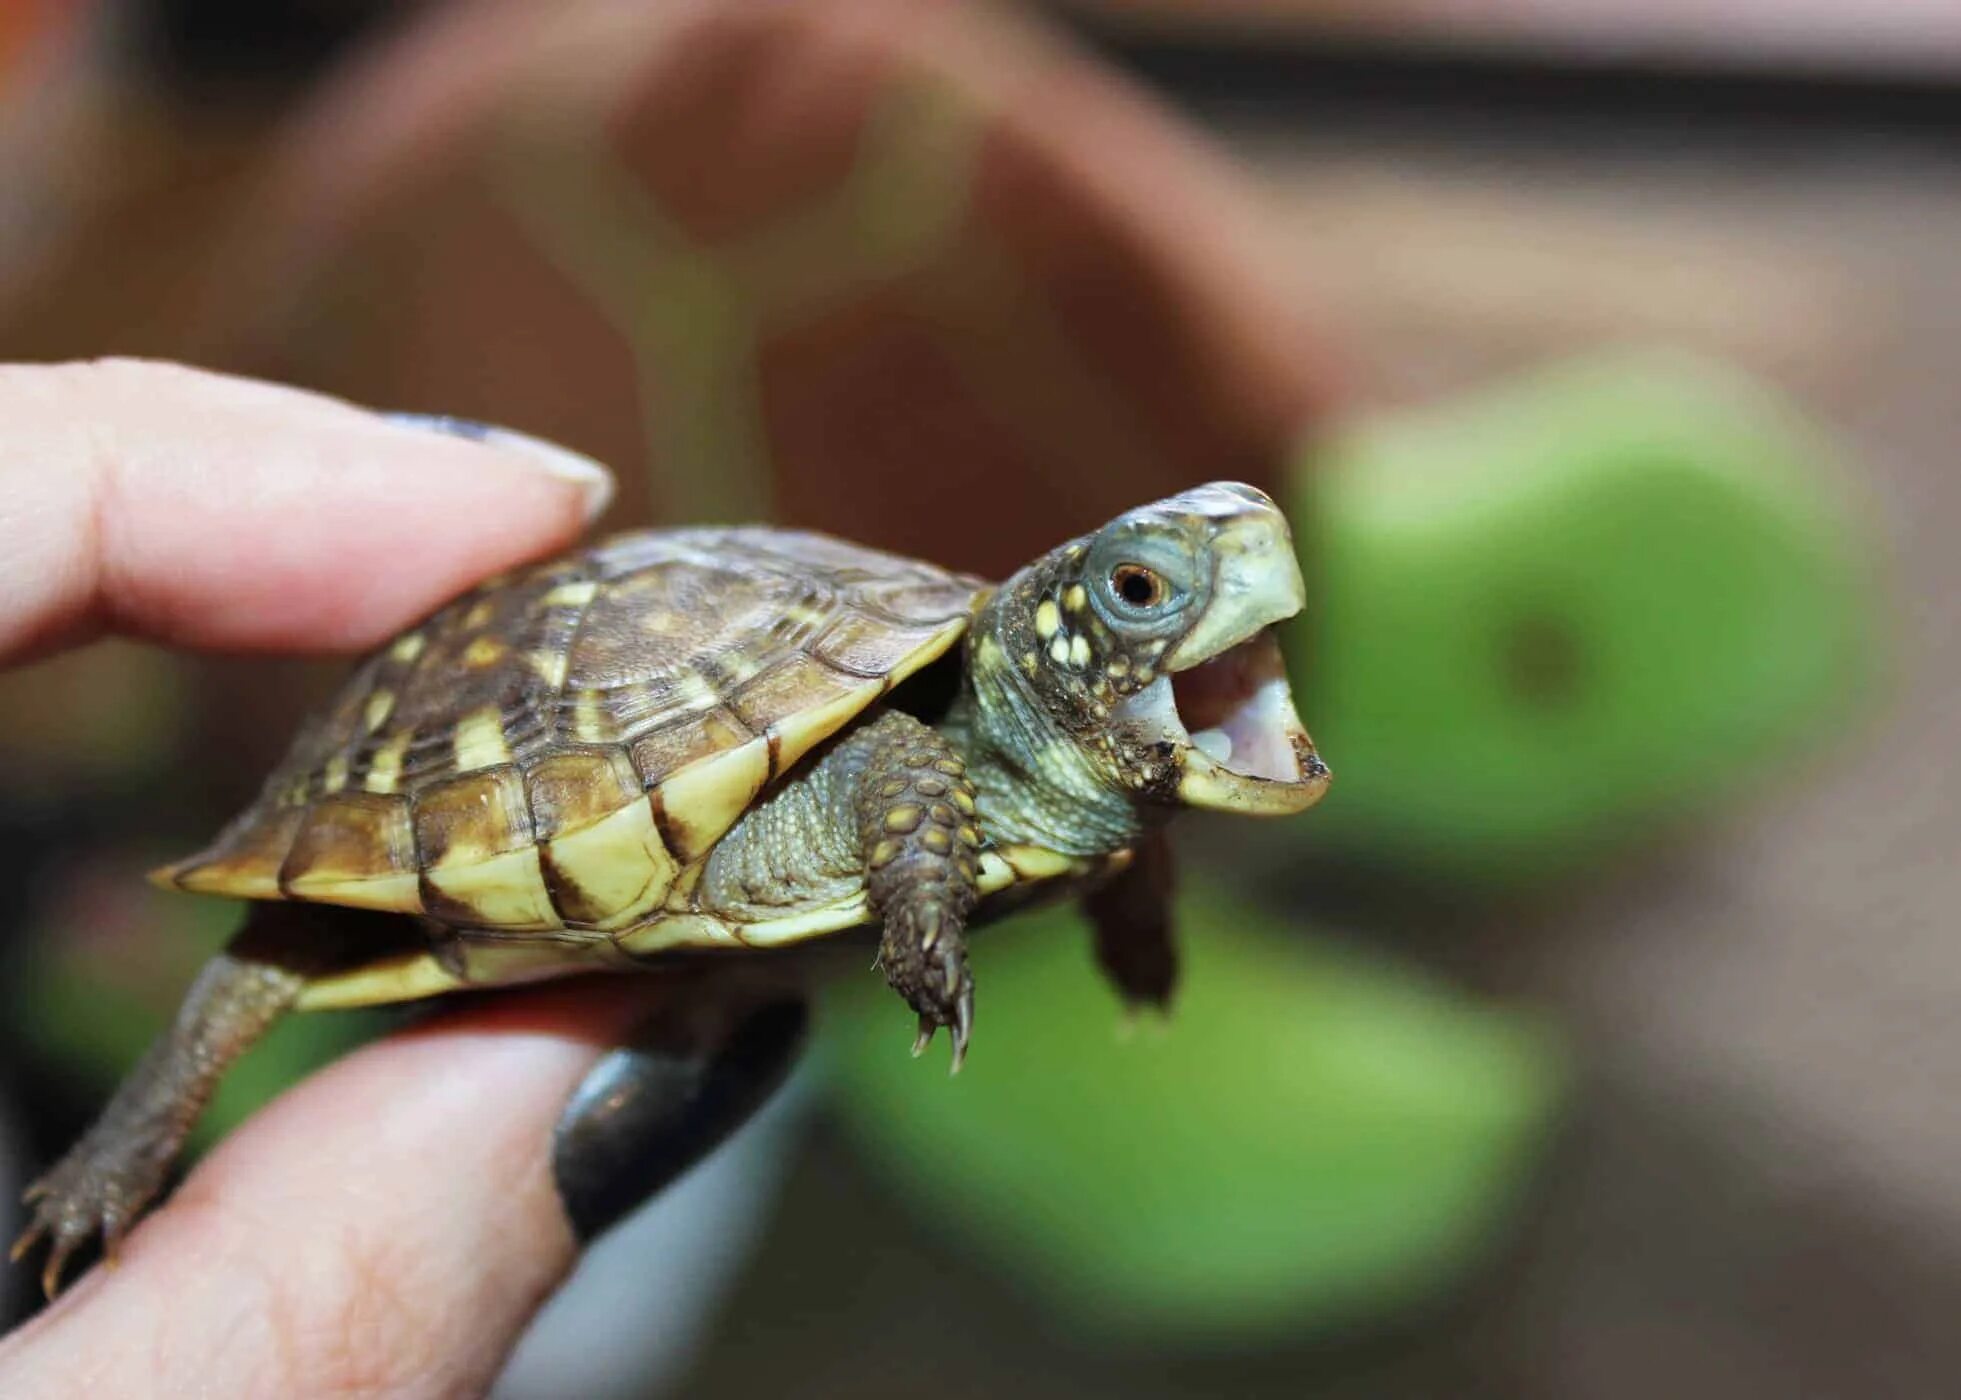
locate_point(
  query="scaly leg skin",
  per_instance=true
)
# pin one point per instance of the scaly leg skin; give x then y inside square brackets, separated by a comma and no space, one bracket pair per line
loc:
[921,842]
[1131,914]
[108,1178]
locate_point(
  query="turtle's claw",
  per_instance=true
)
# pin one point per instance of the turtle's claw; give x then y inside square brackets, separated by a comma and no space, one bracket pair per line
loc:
[927,1026]
[962,1029]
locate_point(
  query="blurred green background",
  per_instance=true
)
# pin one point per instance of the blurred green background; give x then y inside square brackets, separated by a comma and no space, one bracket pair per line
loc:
[1586,1041]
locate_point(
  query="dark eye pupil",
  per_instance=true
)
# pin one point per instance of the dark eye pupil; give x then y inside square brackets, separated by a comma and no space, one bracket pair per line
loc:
[1138,586]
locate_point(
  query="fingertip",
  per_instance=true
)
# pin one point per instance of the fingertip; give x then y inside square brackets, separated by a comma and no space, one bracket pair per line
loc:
[206,510]
[593,481]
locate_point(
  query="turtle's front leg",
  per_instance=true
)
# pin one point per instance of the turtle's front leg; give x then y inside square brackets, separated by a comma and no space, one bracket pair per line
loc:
[1131,916]
[914,806]
[109,1177]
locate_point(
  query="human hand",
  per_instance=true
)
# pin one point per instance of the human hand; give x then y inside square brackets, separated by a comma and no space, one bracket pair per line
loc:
[390,1225]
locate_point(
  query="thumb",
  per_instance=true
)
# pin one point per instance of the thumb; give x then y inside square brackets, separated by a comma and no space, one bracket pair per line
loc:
[387,1227]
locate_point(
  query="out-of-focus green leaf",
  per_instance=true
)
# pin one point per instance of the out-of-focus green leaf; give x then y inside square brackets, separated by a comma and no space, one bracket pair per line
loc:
[1551,614]
[1316,1137]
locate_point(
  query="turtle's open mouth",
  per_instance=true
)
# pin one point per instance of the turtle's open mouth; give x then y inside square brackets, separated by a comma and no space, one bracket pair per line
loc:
[1243,747]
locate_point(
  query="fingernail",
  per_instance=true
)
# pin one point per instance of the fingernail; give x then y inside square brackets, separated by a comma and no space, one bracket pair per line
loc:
[592,479]
[653,1108]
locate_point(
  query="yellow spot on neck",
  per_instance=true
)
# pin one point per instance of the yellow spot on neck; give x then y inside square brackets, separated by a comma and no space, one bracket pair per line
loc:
[480,740]
[1047,619]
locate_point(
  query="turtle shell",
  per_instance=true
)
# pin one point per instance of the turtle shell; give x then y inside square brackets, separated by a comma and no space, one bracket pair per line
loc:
[559,749]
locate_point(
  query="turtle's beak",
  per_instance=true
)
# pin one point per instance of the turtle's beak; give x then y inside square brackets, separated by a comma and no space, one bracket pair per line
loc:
[1225,701]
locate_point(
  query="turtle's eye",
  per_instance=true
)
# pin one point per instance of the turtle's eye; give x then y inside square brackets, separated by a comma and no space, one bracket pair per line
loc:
[1139,587]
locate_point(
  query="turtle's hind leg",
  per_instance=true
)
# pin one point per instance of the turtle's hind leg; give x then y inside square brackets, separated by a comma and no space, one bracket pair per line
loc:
[121,1163]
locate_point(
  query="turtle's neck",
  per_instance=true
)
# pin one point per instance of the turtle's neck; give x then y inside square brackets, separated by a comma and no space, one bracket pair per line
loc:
[1037,784]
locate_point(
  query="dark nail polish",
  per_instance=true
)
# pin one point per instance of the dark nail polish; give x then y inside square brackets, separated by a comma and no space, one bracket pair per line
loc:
[653,1108]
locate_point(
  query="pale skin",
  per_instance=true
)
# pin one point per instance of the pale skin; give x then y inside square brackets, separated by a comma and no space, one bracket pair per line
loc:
[311,1252]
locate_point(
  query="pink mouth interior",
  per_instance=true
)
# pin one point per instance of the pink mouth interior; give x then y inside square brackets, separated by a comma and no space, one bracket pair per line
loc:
[1238,711]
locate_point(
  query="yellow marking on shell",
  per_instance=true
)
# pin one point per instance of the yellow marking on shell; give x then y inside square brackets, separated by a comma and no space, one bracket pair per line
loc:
[375,713]
[548,666]
[704,799]
[693,691]
[1048,619]
[243,863]
[407,647]
[589,723]
[386,770]
[483,652]
[480,614]
[798,733]
[400,893]
[333,777]
[480,740]
[621,869]
[671,931]
[575,594]
[505,959]
[1079,650]
[500,891]
[378,984]
[1059,649]
[356,849]
[474,837]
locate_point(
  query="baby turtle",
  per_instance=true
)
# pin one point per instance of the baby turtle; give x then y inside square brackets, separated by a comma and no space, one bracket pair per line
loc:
[683,742]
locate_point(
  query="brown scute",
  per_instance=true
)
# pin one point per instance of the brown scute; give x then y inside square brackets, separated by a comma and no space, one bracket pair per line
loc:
[244,861]
[683,669]
[351,836]
[659,755]
[867,646]
[470,819]
[925,600]
[571,791]
[797,683]
[673,619]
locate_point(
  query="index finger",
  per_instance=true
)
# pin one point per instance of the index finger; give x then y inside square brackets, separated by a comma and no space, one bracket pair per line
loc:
[210,511]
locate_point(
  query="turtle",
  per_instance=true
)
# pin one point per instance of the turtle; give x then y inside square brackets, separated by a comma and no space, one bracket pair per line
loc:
[696,747]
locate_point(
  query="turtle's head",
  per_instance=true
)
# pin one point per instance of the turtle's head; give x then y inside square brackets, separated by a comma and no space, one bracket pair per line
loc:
[1150,646]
